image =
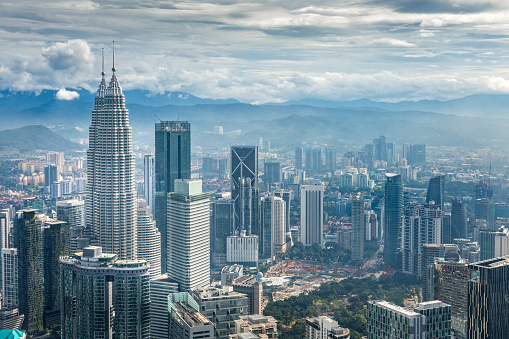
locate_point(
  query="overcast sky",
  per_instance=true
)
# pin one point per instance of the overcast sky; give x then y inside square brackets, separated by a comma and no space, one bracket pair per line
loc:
[261,51]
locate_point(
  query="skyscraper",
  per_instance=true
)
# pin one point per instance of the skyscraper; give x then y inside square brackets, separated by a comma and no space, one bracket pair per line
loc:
[272,170]
[111,193]
[330,159]
[311,214]
[148,180]
[488,307]
[436,191]
[172,161]
[10,278]
[221,226]
[103,297]
[273,219]
[358,227]
[30,270]
[149,239]
[494,243]
[286,195]
[55,235]
[393,222]
[458,220]
[244,188]
[314,159]
[73,212]
[188,235]
[50,175]
[298,157]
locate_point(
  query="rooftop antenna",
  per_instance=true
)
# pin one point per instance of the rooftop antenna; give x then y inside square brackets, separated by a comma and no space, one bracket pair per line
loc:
[158,118]
[103,74]
[177,118]
[113,68]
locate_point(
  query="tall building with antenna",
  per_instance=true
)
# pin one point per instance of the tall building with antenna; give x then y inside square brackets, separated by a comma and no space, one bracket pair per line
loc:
[111,194]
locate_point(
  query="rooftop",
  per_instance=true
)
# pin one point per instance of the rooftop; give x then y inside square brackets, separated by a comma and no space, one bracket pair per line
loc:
[12,334]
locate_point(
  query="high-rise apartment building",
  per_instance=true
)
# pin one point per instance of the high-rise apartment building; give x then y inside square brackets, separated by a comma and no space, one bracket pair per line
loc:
[30,270]
[244,188]
[393,221]
[172,161]
[286,195]
[298,158]
[273,223]
[6,240]
[488,308]
[148,181]
[188,235]
[104,297]
[358,227]
[149,239]
[272,171]
[458,220]
[422,225]
[431,319]
[330,159]
[10,283]
[311,214]
[111,193]
[55,243]
[73,213]
[314,159]
[494,243]
[222,221]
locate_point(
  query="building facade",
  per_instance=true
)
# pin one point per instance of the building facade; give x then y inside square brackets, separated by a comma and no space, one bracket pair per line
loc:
[103,297]
[188,235]
[358,227]
[111,193]
[311,214]
[393,222]
[148,181]
[149,239]
[172,161]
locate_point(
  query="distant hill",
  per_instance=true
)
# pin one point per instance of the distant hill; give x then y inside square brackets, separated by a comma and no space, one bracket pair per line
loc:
[32,137]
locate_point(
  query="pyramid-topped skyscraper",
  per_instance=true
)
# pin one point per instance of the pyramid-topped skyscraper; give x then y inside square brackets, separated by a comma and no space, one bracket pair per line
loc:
[111,194]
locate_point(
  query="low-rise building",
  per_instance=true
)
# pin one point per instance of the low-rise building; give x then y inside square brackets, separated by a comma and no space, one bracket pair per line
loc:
[257,324]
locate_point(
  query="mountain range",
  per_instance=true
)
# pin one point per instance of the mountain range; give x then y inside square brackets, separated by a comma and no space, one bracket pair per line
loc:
[477,119]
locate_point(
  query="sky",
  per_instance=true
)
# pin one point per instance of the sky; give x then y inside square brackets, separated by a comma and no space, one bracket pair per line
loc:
[260,51]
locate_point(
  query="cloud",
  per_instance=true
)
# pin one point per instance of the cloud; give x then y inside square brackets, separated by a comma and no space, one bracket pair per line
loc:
[393,42]
[64,94]
[433,22]
[73,54]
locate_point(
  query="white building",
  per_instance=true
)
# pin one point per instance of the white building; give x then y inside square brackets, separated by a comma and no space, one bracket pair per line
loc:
[9,277]
[325,328]
[111,194]
[242,249]
[149,239]
[189,234]
[311,214]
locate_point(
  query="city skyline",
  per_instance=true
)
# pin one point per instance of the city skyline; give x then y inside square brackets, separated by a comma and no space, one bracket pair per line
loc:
[262,51]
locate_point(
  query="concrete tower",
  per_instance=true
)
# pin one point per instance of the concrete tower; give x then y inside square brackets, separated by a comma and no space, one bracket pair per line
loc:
[111,193]
[188,235]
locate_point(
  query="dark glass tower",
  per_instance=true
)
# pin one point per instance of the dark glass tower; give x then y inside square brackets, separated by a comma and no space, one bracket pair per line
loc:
[436,191]
[30,270]
[272,172]
[393,222]
[458,220]
[244,187]
[172,161]
[222,225]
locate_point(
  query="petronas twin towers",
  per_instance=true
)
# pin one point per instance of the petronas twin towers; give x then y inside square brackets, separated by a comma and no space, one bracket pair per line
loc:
[111,193]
